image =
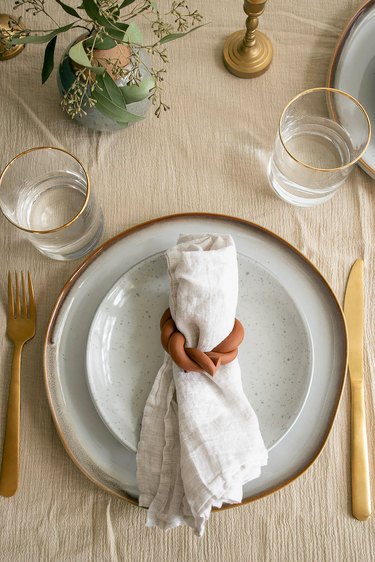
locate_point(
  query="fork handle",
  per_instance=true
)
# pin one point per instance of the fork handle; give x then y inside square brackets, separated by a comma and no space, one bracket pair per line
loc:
[10,463]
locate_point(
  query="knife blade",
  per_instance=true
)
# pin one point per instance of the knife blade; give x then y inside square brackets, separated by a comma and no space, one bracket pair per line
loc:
[354,314]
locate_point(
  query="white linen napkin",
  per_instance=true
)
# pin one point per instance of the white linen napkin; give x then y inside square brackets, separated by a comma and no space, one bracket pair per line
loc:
[200,439]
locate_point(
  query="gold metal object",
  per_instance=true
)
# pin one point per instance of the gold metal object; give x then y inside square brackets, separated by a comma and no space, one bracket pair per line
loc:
[354,313]
[248,54]
[329,102]
[20,328]
[8,26]
[84,205]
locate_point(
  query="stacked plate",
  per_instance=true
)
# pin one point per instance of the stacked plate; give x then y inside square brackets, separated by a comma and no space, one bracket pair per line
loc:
[353,66]
[102,349]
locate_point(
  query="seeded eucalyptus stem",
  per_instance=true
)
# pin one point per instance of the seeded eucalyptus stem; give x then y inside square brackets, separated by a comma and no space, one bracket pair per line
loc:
[109,22]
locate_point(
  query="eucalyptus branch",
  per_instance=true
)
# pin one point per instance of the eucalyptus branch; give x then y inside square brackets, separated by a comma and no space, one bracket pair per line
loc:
[82,27]
[78,96]
[35,7]
[105,22]
[157,92]
[139,9]
[50,17]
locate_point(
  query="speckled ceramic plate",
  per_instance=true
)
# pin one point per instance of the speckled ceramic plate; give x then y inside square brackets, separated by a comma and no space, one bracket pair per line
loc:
[124,351]
[353,69]
[89,442]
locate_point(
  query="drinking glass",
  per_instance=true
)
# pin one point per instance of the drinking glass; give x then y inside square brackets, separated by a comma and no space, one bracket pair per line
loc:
[45,192]
[322,133]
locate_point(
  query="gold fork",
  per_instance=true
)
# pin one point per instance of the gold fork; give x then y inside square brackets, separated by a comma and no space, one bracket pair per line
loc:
[20,328]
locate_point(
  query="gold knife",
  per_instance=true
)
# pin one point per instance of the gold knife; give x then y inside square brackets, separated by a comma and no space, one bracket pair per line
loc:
[354,314]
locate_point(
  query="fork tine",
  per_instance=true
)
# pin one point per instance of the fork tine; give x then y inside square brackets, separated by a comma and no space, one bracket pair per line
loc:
[31,296]
[10,296]
[24,299]
[18,298]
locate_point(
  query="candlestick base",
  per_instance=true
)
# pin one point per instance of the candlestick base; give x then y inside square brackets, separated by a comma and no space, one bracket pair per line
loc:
[6,24]
[247,62]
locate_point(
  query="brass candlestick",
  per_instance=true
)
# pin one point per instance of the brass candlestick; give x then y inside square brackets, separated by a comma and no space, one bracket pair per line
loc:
[8,27]
[248,54]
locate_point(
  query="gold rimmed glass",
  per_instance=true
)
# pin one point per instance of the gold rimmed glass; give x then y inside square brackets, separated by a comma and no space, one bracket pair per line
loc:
[322,133]
[45,192]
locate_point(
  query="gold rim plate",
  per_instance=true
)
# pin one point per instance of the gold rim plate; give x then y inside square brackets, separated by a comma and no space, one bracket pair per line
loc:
[364,11]
[100,270]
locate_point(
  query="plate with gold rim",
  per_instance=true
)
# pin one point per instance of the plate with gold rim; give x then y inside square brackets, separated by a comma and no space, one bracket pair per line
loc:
[352,69]
[93,447]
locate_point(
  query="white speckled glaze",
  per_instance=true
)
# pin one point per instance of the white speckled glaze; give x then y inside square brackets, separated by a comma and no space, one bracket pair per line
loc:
[353,70]
[124,351]
[88,441]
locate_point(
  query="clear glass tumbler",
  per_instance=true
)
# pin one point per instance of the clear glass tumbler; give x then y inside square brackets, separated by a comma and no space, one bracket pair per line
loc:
[322,133]
[45,192]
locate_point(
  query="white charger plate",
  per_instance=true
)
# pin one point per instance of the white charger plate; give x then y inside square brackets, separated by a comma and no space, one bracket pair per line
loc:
[124,351]
[352,69]
[90,444]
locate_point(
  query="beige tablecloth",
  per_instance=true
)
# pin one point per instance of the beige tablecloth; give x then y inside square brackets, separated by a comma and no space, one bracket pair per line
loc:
[208,153]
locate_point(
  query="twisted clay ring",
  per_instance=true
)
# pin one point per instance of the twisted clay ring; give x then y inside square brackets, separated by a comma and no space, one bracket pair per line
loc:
[193,359]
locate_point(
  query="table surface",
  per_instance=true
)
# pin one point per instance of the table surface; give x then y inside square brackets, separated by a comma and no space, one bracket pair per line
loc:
[208,153]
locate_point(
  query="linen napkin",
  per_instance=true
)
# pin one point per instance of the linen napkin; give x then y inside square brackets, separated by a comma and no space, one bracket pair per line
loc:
[200,439]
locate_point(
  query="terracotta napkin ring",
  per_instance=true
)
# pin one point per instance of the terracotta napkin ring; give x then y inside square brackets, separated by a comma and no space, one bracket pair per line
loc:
[192,359]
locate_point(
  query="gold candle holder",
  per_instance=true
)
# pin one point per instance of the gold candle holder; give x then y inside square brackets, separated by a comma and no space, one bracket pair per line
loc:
[249,54]
[8,26]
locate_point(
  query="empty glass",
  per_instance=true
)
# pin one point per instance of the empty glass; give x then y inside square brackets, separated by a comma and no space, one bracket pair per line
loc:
[45,192]
[322,133]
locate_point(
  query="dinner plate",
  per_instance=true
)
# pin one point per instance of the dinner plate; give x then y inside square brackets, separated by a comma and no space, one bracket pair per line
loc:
[124,351]
[88,441]
[353,69]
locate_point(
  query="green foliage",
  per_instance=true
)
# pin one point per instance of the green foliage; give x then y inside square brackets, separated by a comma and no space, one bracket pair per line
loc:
[126,3]
[174,36]
[24,39]
[137,92]
[68,9]
[109,25]
[48,59]
[110,102]
[78,54]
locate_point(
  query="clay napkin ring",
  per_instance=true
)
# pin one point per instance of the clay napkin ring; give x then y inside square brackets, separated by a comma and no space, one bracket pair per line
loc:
[193,359]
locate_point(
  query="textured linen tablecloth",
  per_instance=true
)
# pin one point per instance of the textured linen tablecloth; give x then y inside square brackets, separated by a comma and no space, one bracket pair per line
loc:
[209,153]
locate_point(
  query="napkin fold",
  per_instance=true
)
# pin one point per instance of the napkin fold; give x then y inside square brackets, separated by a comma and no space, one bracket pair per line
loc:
[200,440]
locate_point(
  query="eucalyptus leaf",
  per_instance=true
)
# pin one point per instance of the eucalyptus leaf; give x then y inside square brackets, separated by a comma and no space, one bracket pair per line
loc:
[115,33]
[113,111]
[41,38]
[66,73]
[91,9]
[48,59]
[174,36]
[133,35]
[115,30]
[78,54]
[68,9]
[126,3]
[115,11]
[111,89]
[103,109]
[100,42]
[134,92]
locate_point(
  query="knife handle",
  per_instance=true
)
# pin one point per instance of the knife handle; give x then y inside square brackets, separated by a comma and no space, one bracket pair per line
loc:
[361,499]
